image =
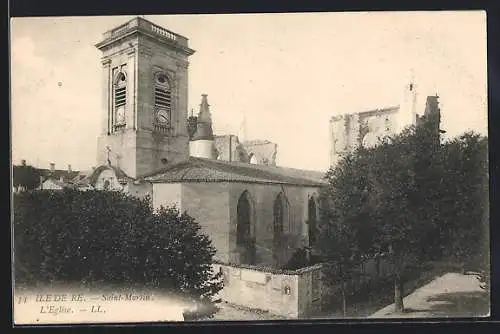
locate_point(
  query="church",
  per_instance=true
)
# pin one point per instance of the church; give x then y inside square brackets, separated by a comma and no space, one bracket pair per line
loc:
[257,214]
[253,211]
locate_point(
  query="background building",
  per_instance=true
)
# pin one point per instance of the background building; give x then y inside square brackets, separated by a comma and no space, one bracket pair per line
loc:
[367,128]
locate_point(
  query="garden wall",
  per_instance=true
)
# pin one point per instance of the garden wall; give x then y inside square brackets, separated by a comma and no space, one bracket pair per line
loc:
[288,293]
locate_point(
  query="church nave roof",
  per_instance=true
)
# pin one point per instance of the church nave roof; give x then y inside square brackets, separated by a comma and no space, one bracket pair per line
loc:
[208,170]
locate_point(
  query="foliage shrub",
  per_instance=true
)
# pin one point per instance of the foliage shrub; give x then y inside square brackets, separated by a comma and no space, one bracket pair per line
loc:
[98,238]
[301,259]
[25,176]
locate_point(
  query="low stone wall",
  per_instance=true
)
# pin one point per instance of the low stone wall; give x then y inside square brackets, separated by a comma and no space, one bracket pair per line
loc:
[294,293]
[289,293]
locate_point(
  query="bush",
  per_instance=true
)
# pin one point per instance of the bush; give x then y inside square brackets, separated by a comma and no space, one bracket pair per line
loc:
[300,259]
[98,237]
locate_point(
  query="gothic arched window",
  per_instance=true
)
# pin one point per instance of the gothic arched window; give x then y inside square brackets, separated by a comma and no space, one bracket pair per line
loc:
[243,229]
[243,222]
[120,99]
[162,101]
[280,222]
[279,217]
[312,220]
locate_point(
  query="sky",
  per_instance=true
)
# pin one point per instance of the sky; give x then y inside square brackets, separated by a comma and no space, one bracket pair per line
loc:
[285,74]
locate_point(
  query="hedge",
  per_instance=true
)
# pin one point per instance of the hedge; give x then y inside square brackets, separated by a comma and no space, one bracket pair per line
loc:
[96,238]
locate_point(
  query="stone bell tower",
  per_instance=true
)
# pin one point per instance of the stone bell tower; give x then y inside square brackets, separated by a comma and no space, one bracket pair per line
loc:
[144,97]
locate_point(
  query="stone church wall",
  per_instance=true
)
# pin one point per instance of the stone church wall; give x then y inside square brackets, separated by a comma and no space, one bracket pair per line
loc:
[167,194]
[214,206]
[262,198]
[208,203]
[140,190]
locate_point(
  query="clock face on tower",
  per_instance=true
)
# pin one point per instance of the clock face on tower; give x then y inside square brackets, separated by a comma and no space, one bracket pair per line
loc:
[162,117]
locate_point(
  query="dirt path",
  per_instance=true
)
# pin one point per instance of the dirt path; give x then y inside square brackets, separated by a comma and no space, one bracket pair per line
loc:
[229,312]
[451,295]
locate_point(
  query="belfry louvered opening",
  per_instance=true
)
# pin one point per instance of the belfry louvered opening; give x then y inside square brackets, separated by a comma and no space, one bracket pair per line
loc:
[163,98]
[162,102]
[120,96]
[120,99]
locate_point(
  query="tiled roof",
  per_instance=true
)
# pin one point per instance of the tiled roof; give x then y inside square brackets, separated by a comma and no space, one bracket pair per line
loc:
[59,183]
[57,174]
[207,170]
[82,179]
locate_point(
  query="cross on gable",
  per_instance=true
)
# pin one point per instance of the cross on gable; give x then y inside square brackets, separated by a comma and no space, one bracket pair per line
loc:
[108,151]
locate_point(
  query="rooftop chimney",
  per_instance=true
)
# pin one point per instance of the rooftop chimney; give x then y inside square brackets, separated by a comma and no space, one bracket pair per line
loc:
[52,166]
[69,168]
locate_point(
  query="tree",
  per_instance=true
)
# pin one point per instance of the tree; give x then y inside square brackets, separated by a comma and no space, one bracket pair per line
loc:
[301,258]
[103,237]
[25,176]
[398,230]
[345,226]
[412,196]
[370,209]
[464,232]
[466,159]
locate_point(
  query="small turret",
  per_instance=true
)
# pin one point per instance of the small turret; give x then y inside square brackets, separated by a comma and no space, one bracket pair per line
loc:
[204,121]
[192,125]
[242,133]
[201,144]
[432,116]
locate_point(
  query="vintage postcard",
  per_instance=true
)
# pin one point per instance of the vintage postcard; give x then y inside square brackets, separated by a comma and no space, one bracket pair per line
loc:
[249,167]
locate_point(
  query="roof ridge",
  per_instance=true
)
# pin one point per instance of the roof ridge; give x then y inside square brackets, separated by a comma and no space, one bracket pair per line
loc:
[269,174]
[186,171]
[165,169]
